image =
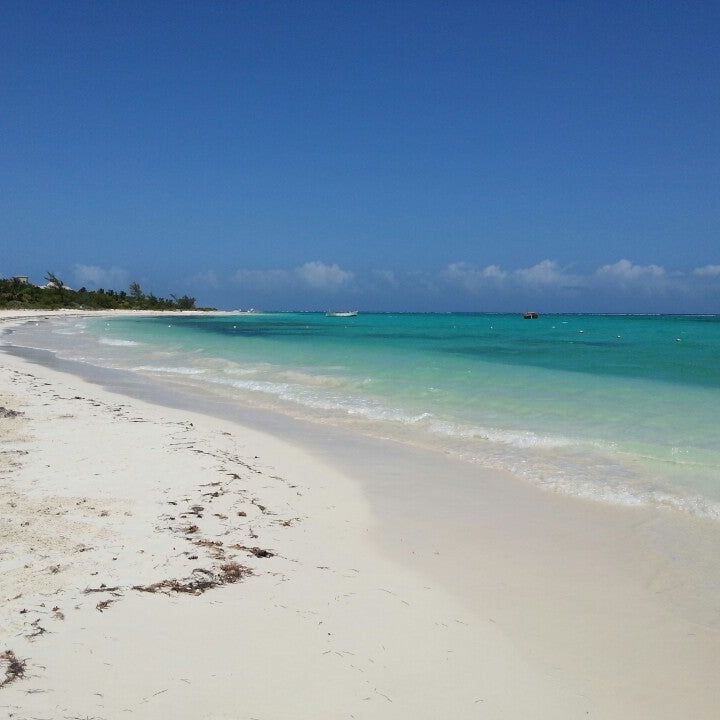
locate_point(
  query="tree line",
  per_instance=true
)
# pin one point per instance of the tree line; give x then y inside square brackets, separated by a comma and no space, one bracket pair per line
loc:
[16,294]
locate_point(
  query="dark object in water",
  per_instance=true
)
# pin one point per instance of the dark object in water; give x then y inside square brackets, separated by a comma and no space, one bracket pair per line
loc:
[532,315]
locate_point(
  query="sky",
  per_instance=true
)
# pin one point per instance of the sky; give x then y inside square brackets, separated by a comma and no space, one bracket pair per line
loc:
[472,156]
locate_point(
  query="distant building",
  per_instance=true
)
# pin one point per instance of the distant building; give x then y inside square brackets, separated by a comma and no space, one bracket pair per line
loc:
[22,279]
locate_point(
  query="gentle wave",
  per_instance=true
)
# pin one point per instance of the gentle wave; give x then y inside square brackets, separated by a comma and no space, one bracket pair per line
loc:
[302,393]
[374,410]
[116,342]
[170,370]
[362,407]
[553,477]
[296,376]
[517,439]
[625,494]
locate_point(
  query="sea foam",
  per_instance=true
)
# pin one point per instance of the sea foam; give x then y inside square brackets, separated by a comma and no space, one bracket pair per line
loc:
[117,342]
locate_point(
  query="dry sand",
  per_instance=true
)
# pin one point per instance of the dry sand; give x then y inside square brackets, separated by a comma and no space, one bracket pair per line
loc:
[285,605]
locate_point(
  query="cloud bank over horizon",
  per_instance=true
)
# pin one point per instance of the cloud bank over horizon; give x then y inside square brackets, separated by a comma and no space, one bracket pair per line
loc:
[315,275]
[94,277]
[620,286]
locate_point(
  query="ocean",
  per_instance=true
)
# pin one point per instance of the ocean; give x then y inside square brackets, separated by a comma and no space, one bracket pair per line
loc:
[618,409]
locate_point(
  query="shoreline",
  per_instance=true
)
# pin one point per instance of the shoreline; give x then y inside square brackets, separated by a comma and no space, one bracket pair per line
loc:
[478,615]
[7,316]
[606,455]
[269,625]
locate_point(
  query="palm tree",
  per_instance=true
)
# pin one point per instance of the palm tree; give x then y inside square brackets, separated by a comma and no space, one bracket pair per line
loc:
[184,303]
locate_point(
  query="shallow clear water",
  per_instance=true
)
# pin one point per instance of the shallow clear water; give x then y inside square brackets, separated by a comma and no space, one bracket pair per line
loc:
[618,408]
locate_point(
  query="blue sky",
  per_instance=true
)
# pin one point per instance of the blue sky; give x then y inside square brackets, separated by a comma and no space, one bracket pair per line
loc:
[389,155]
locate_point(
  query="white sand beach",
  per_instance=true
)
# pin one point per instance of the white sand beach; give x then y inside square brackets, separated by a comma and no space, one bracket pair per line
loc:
[160,563]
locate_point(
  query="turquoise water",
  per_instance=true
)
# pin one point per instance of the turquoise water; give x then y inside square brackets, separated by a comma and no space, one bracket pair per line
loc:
[617,408]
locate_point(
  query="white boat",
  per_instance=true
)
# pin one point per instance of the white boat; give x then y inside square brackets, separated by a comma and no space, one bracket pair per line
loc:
[344,313]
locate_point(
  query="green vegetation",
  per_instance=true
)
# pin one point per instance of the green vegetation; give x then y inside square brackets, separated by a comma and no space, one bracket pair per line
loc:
[16,294]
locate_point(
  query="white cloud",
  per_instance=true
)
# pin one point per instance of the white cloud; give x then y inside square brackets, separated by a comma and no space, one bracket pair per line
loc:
[547,273]
[545,276]
[386,276]
[316,275]
[472,278]
[96,277]
[711,271]
[208,278]
[320,276]
[265,278]
[494,272]
[625,272]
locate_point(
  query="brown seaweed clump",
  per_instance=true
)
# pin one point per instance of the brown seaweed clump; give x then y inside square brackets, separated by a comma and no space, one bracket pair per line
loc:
[200,580]
[8,413]
[256,551]
[13,665]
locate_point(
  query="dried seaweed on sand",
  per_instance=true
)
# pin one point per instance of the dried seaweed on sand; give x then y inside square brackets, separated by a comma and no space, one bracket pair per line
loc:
[14,667]
[200,580]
